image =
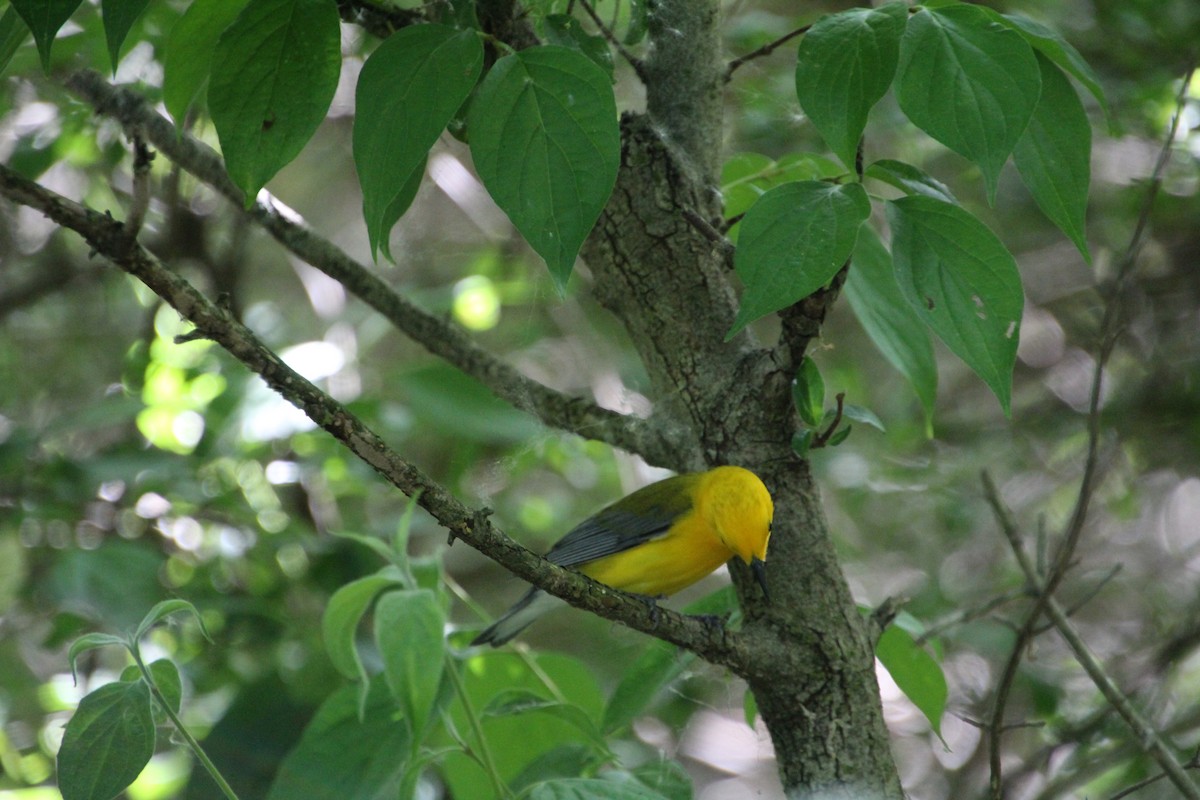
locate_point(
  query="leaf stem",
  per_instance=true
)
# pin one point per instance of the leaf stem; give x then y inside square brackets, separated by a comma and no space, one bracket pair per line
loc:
[484,755]
[188,739]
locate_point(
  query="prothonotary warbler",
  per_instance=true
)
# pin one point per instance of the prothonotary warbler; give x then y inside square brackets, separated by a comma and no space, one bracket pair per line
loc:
[658,540]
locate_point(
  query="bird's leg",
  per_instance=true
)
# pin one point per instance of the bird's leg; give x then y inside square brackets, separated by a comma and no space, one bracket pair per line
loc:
[651,602]
[713,622]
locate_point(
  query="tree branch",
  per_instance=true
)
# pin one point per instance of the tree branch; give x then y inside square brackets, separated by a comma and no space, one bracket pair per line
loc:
[765,50]
[636,63]
[439,337]
[1149,740]
[109,239]
[1110,328]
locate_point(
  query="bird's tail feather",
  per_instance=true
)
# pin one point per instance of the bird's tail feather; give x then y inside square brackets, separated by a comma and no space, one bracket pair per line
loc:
[518,618]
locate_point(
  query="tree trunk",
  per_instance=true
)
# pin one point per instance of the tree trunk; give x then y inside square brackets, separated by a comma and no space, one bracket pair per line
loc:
[657,267]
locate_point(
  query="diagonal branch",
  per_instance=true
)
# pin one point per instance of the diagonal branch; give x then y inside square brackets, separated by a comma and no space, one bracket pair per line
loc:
[1110,328]
[434,333]
[1148,739]
[109,239]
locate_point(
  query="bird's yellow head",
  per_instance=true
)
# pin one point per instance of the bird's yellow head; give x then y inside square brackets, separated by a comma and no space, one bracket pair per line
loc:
[739,508]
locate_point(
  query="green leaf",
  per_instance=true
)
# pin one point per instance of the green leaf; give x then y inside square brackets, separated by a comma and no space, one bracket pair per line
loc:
[274,73]
[377,546]
[119,16]
[1054,156]
[747,176]
[963,282]
[655,669]
[864,415]
[166,678]
[44,18]
[589,789]
[792,242]
[659,666]
[893,325]
[524,737]
[566,761]
[638,18]
[165,609]
[409,631]
[968,82]
[667,779]
[909,179]
[808,393]
[91,641]
[845,64]
[408,91]
[107,742]
[339,624]
[546,144]
[13,33]
[802,441]
[916,672]
[749,707]
[188,53]
[513,702]
[566,31]
[840,435]
[339,757]
[1051,45]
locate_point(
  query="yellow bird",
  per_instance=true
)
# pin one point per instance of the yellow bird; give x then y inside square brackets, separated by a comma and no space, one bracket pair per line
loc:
[658,540]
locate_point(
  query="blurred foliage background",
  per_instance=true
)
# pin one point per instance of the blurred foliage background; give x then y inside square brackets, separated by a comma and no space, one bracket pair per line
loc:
[134,469]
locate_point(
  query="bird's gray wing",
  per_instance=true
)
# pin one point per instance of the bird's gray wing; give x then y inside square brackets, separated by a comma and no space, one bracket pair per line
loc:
[644,515]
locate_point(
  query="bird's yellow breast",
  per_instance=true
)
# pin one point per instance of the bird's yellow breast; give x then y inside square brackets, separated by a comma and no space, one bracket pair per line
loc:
[687,552]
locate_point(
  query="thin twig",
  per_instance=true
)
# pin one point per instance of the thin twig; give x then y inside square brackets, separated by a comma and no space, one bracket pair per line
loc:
[969,614]
[708,231]
[435,333]
[1148,739]
[766,49]
[636,63]
[143,157]
[1109,330]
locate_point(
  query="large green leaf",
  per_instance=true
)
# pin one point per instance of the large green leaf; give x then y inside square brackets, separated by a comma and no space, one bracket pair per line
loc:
[916,672]
[44,18]
[546,144]
[968,82]
[274,73]
[1054,156]
[340,757]
[107,742]
[889,320]
[909,179]
[590,789]
[793,241]
[119,16]
[409,633]
[187,56]
[339,624]
[408,91]
[13,33]
[962,282]
[745,177]
[525,737]
[1050,44]
[845,64]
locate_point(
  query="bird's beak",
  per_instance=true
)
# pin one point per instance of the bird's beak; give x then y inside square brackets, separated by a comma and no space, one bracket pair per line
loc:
[759,568]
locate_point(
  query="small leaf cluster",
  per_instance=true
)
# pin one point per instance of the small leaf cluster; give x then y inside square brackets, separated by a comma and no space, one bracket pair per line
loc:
[111,736]
[989,87]
[821,426]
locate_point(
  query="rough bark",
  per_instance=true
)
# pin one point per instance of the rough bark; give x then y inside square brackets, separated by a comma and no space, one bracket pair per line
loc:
[813,677]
